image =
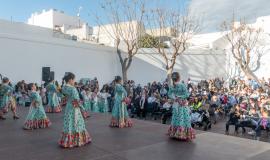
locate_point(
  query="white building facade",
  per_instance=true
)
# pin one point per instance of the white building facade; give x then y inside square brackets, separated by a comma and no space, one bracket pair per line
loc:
[59,21]
[106,34]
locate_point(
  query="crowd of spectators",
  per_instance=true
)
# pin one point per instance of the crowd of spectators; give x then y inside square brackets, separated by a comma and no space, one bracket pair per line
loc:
[243,104]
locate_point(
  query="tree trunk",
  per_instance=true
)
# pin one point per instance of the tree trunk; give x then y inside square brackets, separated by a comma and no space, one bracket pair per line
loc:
[169,75]
[250,75]
[124,73]
[123,64]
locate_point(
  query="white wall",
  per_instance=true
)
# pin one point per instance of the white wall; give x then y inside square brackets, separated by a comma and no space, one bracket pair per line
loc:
[26,49]
[24,54]
[23,59]
[263,71]
[194,65]
[44,19]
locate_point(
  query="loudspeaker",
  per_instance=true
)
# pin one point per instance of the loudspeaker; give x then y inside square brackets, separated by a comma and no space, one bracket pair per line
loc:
[46,71]
[51,75]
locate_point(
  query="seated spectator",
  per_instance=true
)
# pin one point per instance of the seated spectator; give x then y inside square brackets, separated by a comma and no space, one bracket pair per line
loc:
[214,106]
[166,111]
[250,120]
[196,105]
[263,124]
[152,102]
[234,117]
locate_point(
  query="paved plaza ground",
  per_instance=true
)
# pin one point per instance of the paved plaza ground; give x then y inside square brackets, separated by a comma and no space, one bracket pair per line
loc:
[219,127]
[145,141]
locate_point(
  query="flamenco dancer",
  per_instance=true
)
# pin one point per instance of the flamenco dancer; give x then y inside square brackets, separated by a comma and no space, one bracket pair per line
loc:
[120,117]
[7,100]
[180,127]
[86,107]
[94,101]
[36,117]
[103,104]
[53,101]
[74,132]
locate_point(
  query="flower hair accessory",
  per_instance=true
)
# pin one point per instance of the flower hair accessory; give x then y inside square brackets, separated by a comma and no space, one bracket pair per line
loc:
[127,100]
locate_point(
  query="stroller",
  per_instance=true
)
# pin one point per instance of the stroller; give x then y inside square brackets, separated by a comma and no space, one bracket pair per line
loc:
[201,119]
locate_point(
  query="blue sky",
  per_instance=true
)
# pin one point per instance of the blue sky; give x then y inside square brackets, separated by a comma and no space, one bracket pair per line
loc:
[20,10]
[213,13]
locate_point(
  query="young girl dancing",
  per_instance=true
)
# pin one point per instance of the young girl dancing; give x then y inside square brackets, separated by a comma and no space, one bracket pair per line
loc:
[6,99]
[36,117]
[53,101]
[180,127]
[120,116]
[103,101]
[94,101]
[74,132]
[86,107]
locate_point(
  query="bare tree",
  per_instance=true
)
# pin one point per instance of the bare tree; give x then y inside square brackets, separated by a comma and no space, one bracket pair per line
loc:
[175,28]
[125,28]
[244,46]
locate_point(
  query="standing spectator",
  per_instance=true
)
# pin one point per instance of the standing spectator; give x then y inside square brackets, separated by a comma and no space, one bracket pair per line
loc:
[189,85]
[163,91]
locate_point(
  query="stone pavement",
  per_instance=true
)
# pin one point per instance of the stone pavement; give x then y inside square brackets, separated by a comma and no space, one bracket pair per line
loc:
[145,141]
